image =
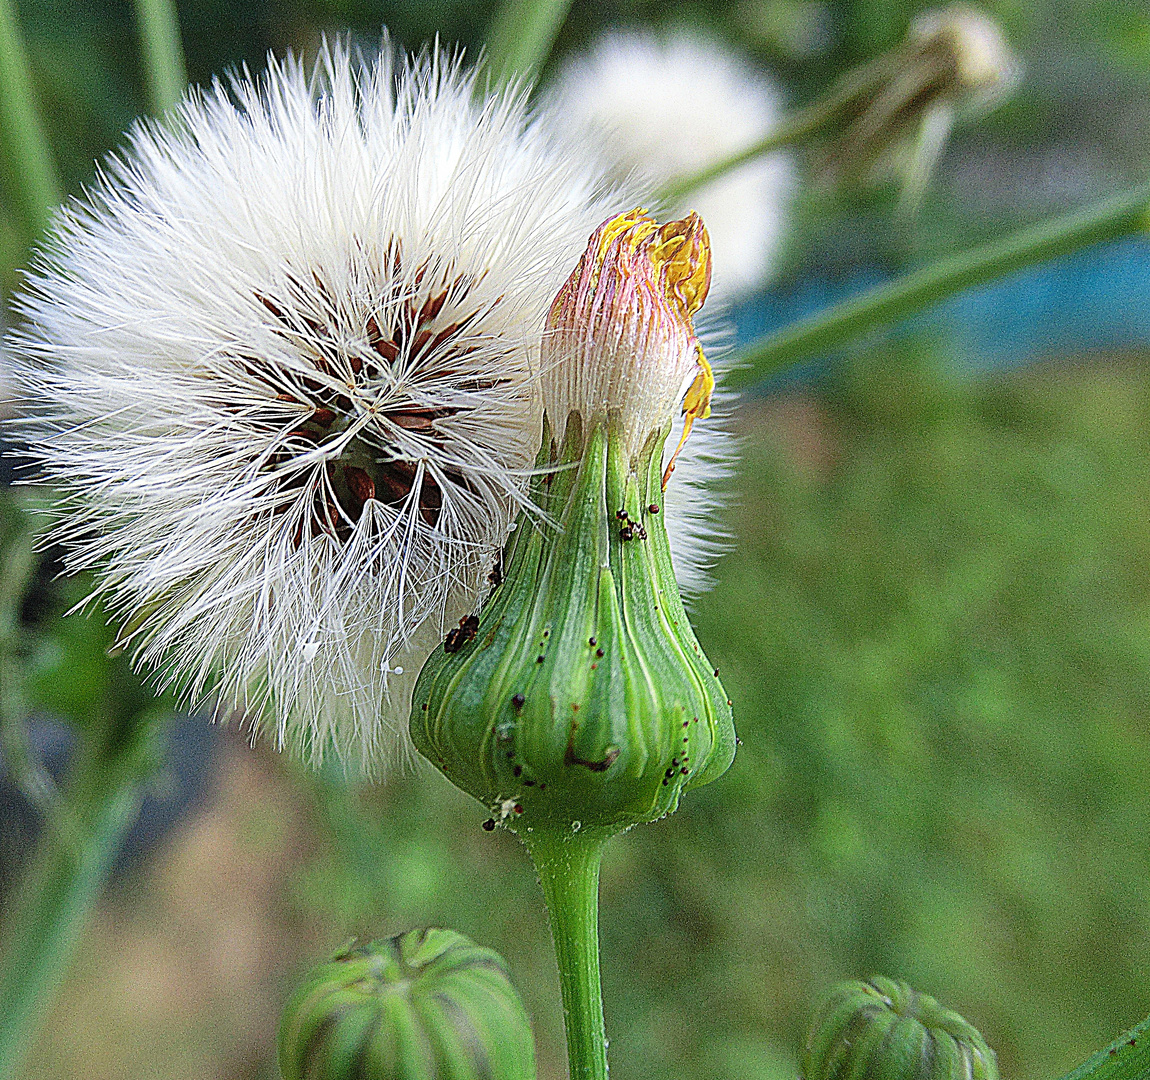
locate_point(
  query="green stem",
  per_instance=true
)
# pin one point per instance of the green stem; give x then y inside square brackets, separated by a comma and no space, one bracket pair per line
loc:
[30,163]
[1126,1058]
[569,873]
[57,895]
[163,53]
[1109,219]
[521,37]
[794,128]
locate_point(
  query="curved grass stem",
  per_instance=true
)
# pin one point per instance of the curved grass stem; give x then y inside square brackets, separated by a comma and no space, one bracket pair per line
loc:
[57,894]
[889,303]
[29,165]
[163,54]
[1126,1058]
[521,37]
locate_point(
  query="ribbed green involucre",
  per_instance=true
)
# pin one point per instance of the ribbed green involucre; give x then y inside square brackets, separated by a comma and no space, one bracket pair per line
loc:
[884,1030]
[425,1005]
[582,701]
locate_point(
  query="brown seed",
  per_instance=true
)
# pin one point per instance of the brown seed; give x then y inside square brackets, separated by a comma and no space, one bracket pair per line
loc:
[359,483]
[432,306]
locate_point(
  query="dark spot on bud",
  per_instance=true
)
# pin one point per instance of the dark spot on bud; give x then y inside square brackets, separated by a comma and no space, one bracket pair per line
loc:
[539,659]
[424,706]
[716,673]
[456,639]
[570,757]
[627,533]
[517,701]
[684,770]
[686,722]
[510,754]
[665,781]
[528,783]
[594,666]
[574,706]
[517,808]
[620,515]
[653,508]
[591,642]
[489,824]
[598,652]
[518,770]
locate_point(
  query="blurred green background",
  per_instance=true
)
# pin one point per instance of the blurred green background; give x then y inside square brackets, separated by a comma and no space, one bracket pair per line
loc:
[935,626]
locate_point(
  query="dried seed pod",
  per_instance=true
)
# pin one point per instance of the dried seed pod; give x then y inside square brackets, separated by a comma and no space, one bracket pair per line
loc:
[884,1030]
[425,1005]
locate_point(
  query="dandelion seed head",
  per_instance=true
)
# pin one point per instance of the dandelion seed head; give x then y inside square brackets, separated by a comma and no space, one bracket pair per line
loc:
[284,358]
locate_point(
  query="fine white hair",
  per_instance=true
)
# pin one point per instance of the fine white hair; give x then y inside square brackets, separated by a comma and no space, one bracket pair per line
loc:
[283,357]
[660,108]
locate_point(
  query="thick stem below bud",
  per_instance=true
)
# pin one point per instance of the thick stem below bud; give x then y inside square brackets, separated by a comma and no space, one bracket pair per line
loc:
[569,874]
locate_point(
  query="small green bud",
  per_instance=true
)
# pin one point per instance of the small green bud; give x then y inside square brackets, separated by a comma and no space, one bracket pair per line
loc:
[425,1005]
[884,1030]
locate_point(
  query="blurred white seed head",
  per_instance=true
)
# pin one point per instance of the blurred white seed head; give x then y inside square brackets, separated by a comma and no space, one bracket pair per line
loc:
[7,378]
[285,352]
[660,109]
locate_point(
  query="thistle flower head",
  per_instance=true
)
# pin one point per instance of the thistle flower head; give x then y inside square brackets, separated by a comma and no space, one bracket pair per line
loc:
[621,344]
[579,697]
[658,108]
[285,352]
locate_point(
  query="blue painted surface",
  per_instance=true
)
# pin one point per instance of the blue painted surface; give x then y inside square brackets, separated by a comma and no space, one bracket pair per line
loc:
[1096,299]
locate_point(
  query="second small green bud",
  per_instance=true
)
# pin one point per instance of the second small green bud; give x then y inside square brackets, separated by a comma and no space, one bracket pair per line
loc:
[884,1030]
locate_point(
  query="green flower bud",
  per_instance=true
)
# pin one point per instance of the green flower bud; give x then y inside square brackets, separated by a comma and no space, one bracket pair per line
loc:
[580,699]
[884,1030]
[425,1005]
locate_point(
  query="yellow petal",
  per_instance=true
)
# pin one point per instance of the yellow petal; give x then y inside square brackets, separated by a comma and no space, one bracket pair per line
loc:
[696,406]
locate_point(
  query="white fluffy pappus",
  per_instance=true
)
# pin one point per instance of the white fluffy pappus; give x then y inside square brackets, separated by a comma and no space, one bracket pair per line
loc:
[701,488]
[283,358]
[658,109]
